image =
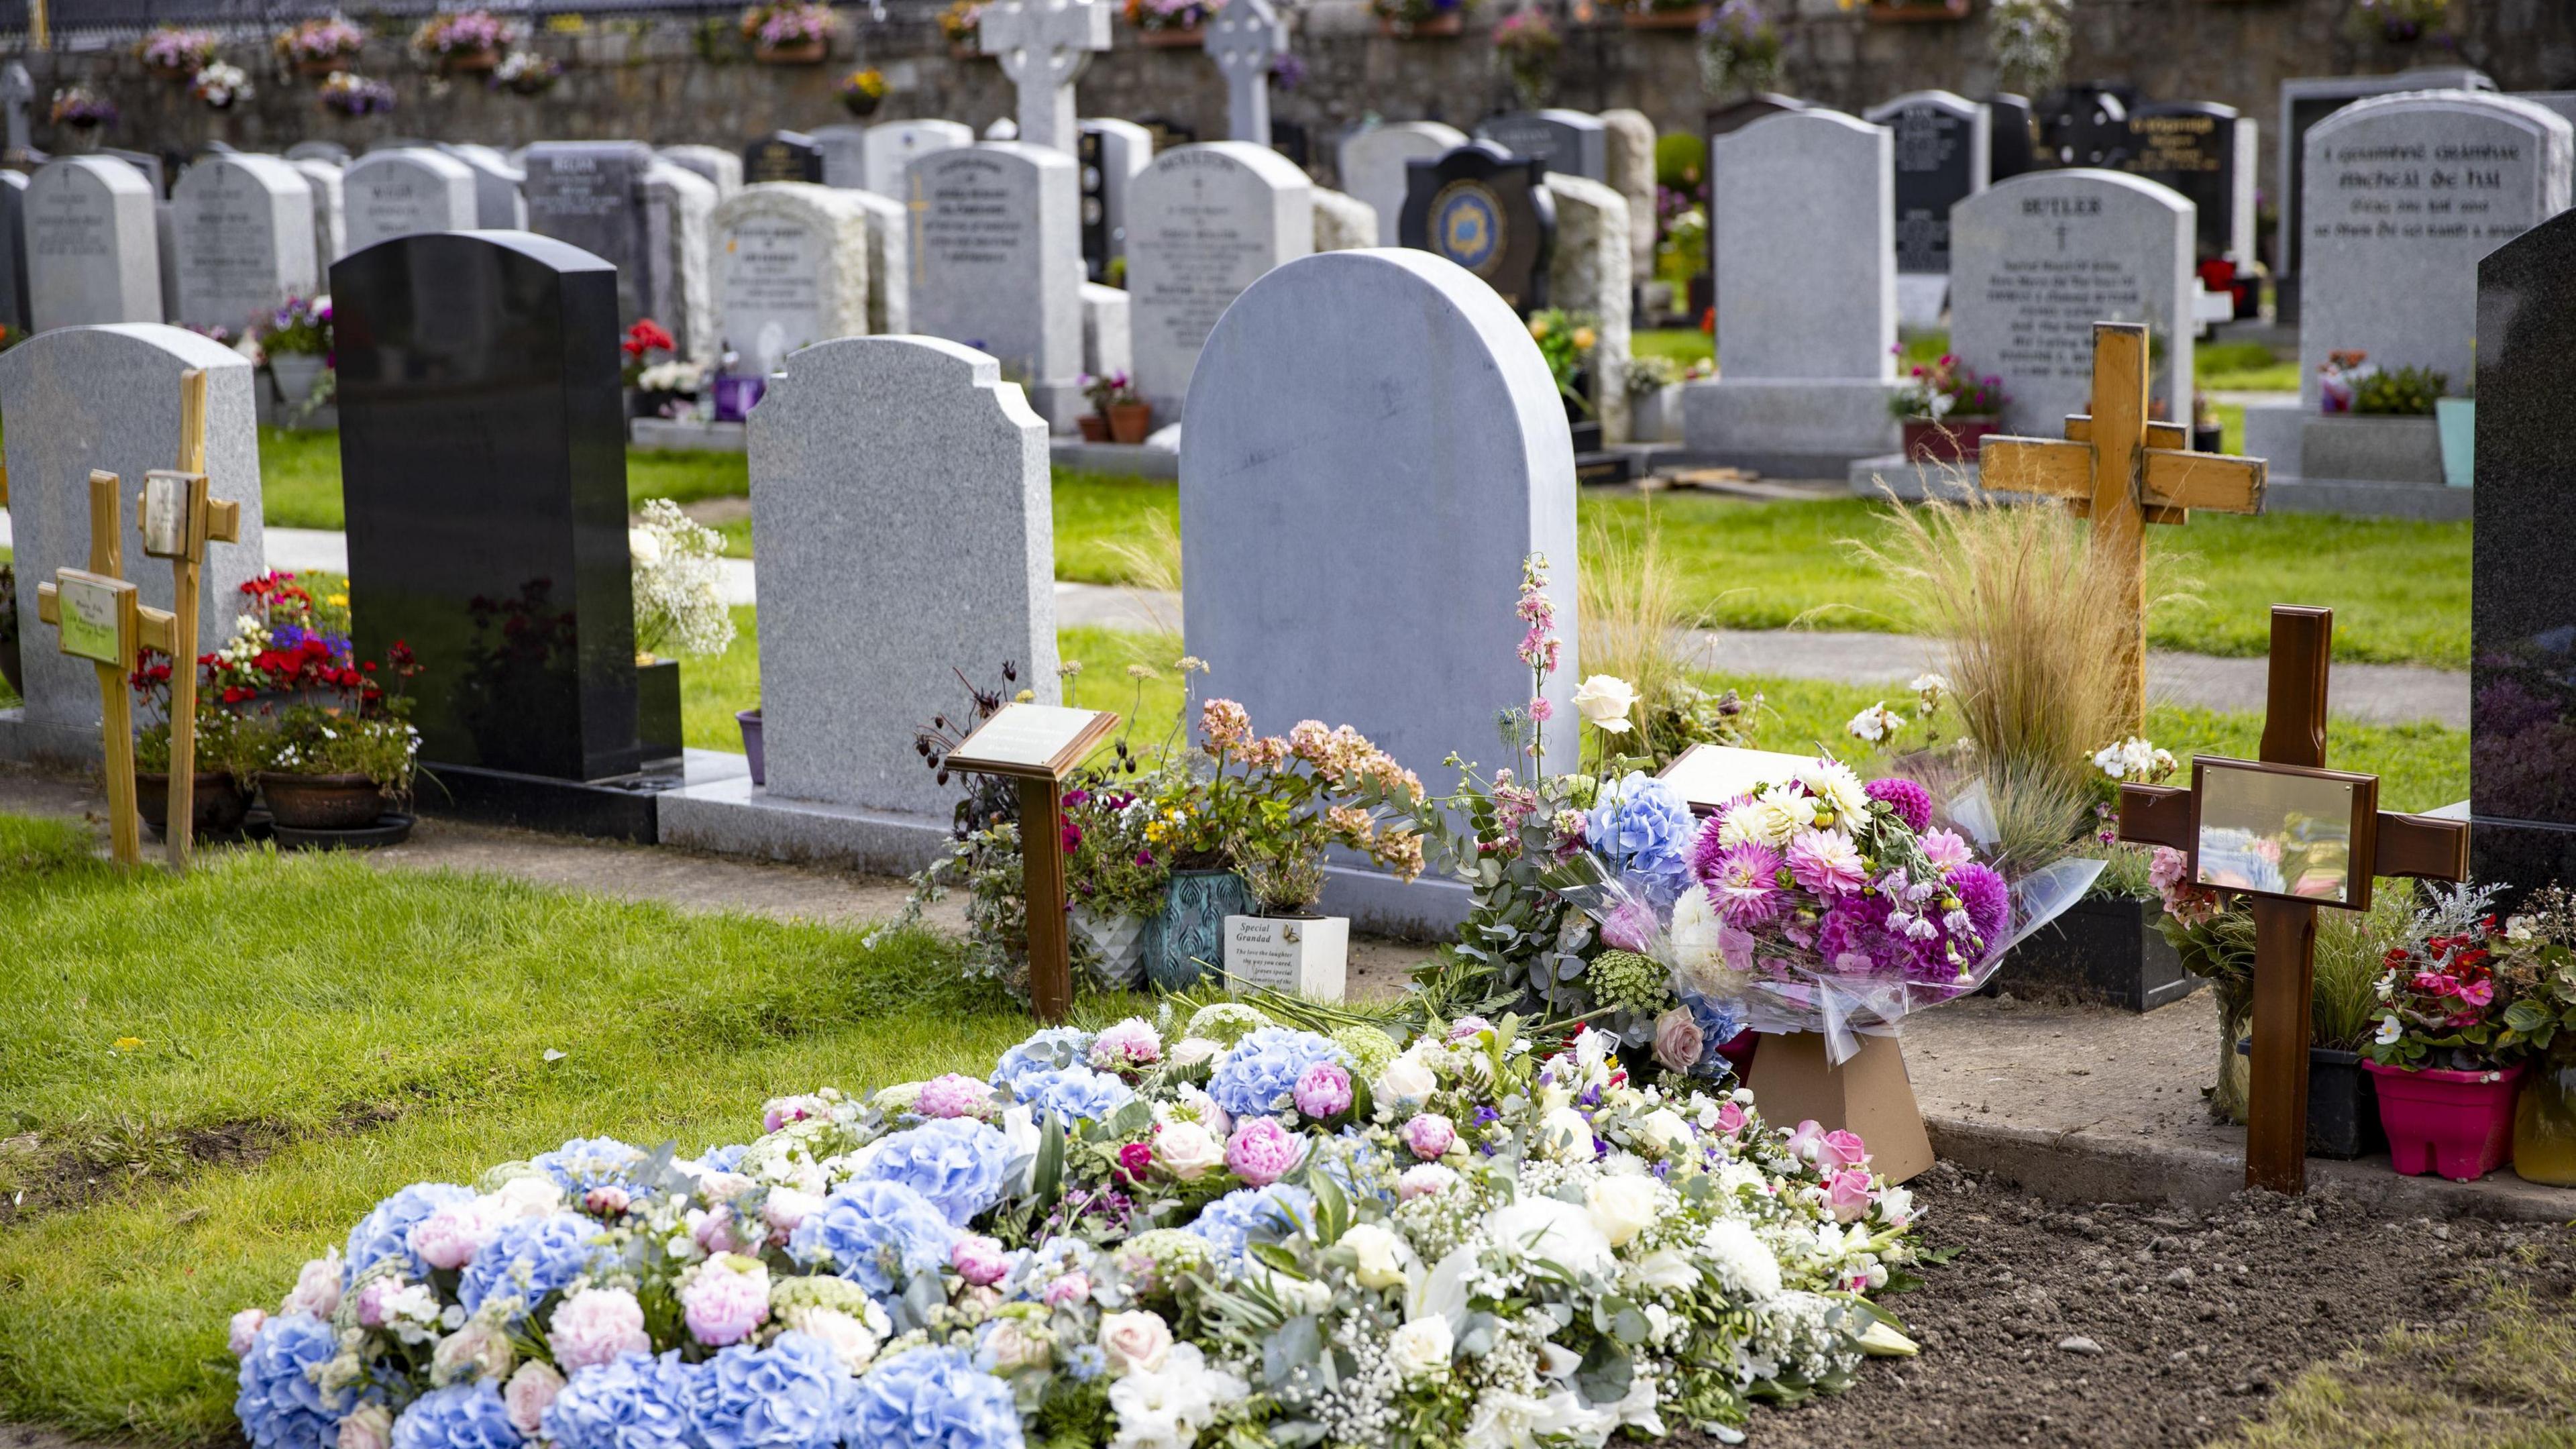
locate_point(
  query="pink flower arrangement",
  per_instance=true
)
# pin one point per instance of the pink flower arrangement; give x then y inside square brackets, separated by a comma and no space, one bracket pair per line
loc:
[594,1326]
[1261,1151]
[952,1095]
[1128,1047]
[1324,1090]
[464,32]
[1429,1136]
[980,1260]
[725,1300]
[314,41]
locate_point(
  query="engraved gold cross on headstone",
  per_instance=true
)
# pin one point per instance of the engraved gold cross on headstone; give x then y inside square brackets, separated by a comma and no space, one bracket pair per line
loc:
[2124,471]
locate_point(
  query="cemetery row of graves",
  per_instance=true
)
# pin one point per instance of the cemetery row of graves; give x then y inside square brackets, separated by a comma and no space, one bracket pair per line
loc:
[1635,1153]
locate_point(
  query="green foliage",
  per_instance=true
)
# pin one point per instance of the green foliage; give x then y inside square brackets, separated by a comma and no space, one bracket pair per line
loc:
[1681,161]
[2406,392]
[2352,949]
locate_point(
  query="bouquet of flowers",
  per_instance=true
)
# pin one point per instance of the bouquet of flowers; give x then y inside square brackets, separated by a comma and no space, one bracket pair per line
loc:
[355,95]
[679,584]
[219,85]
[2439,1000]
[1944,388]
[787,23]
[641,341]
[1252,1234]
[320,42]
[1169,14]
[175,51]
[462,34]
[81,107]
[526,73]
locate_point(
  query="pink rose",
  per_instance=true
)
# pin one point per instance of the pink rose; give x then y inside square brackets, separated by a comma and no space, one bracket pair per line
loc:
[1807,1141]
[1679,1043]
[245,1330]
[1261,1151]
[979,1260]
[713,1231]
[594,1326]
[317,1287]
[530,1390]
[1324,1090]
[953,1095]
[1070,1289]
[1730,1118]
[1429,1135]
[606,1200]
[450,1237]
[1423,1179]
[1847,1193]
[1841,1148]
[723,1303]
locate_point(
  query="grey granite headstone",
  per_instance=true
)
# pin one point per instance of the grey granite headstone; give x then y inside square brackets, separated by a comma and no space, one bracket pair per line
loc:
[1804,226]
[14,312]
[1570,142]
[1108,343]
[330,213]
[1243,39]
[840,447]
[1351,411]
[2405,194]
[498,204]
[1588,274]
[997,263]
[889,263]
[721,168]
[892,146]
[845,153]
[791,269]
[1631,154]
[79,398]
[329,151]
[591,195]
[245,235]
[1944,146]
[1044,47]
[1343,222]
[1372,165]
[93,245]
[1203,223]
[2037,260]
[679,207]
[403,192]
[2306,100]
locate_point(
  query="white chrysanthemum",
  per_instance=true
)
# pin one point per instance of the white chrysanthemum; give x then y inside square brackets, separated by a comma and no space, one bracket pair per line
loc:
[1697,954]
[1741,1260]
[1839,788]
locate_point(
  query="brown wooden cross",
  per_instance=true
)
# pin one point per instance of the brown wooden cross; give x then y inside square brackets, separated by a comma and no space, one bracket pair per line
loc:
[178,520]
[2124,471]
[2203,820]
[102,620]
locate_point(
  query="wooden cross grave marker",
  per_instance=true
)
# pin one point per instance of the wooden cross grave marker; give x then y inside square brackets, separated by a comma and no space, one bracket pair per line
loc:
[2294,836]
[2124,471]
[102,620]
[178,520]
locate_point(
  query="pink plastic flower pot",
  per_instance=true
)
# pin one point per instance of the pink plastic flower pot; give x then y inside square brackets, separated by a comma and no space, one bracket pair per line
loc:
[2459,1124]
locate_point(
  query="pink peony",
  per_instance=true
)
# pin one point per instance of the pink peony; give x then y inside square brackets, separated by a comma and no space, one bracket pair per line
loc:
[594,1326]
[606,1200]
[1430,1135]
[451,1236]
[1679,1042]
[980,1260]
[1423,1179]
[714,1232]
[1840,1148]
[1826,862]
[1324,1090]
[245,1330]
[723,1302]
[1808,1141]
[1847,1193]
[1630,927]
[1261,1151]
[1127,1046]
[317,1287]
[530,1391]
[953,1095]
[1068,1290]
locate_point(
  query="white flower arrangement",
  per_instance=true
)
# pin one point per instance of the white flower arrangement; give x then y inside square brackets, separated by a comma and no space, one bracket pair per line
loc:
[679,584]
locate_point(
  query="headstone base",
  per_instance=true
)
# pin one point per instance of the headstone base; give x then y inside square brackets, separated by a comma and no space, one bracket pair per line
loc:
[2363,467]
[1131,460]
[28,742]
[1912,481]
[732,816]
[624,808]
[1789,427]
[1921,298]
[678,435]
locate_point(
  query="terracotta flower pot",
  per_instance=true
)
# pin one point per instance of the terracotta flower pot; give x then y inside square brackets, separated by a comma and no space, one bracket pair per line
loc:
[1949,440]
[1095,428]
[1447,23]
[322,802]
[220,802]
[1130,422]
[323,65]
[2459,1124]
[1182,38]
[468,62]
[800,52]
[1665,19]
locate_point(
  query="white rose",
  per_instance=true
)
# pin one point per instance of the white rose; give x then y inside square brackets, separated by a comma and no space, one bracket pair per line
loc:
[533,1196]
[1188,1151]
[647,549]
[1663,1130]
[1137,1342]
[1622,1207]
[785,1208]
[1605,700]
[1422,1348]
[1405,1079]
[1380,1254]
[1189,1051]
[1565,1136]
[852,1341]
[1668,1270]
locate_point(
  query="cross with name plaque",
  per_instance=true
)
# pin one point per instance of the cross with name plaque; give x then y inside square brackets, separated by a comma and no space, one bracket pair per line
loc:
[1045,46]
[1038,745]
[2292,835]
[2124,471]
[101,619]
[178,520]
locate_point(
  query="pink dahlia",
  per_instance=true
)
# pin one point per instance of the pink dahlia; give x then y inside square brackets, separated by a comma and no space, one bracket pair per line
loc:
[1986,899]
[1826,862]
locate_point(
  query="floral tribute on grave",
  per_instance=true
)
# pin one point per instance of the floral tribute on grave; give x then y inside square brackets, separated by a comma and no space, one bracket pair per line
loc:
[1238,1232]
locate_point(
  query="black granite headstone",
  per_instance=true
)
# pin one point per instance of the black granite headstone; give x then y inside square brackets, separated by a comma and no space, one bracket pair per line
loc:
[783,156]
[2522,619]
[2013,137]
[1292,140]
[484,468]
[1488,212]
[1092,153]
[2087,125]
[1936,165]
[16,306]
[591,195]
[2191,147]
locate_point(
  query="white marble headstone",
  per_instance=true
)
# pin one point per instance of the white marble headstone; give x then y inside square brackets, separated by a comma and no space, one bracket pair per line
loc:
[330,213]
[845,153]
[679,206]
[721,168]
[1203,223]
[1044,47]
[245,238]
[996,252]
[892,146]
[93,245]
[791,269]
[498,204]
[400,192]
[1373,162]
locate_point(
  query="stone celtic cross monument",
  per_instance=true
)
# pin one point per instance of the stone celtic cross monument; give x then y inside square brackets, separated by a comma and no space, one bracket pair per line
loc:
[1044,48]
[1246,37]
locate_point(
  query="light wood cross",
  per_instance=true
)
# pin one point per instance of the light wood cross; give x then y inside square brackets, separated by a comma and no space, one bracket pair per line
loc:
[178,520]
[102,621]
[2124,471]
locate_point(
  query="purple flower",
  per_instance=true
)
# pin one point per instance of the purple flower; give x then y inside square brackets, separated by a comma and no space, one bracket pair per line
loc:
[1988,902]
[1324,1090]
[1912,803]
[1429,1135]
[1261,1151]
[1745,886]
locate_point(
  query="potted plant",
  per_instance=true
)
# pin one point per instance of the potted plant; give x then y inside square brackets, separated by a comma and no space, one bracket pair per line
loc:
[2397,22]
[960,22]
[2351,951]
[1100,391]
[1170,24]
[645,344]
[230,751]
[2029,41]
[2537,964]
[789,32]
[354,96]
[176,53]
[321,47]
[2446,1060]
[526,73]
[1945,409]
[337,744]
[862,90]
[1655,397]
[296,343]
[1114,397]
[679,610]
[1739,49]
[462,42]
[1527,43]
[1420,19]
[82,114]
[1114,878]
[1664,14]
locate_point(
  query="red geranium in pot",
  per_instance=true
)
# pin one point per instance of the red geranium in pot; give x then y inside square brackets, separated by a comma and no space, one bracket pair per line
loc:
[2446,1061]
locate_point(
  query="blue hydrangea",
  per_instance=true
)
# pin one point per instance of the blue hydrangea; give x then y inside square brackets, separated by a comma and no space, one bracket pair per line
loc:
[460,1416]
[1721,1019]
[876,1234]
[385,1232]
[933,1398]
[588,1162]
[279,1405]
[636,1402]
[957,1163]
[793,1394]
[1355,1166]
[530,1259]
[1257,1078]
[1075,1092]
[1644,828]
[1241,1215]
[723,1159]
[1052,1049]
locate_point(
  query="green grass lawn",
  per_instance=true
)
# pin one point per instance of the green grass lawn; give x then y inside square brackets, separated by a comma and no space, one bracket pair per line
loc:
[300,478]
[406,1028]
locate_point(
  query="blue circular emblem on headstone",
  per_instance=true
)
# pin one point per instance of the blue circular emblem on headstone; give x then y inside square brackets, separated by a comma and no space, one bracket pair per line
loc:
[1467,224]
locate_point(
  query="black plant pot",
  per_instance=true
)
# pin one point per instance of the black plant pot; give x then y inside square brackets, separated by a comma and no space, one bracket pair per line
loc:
[657,710]
[2343,1104]
[2104,949]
